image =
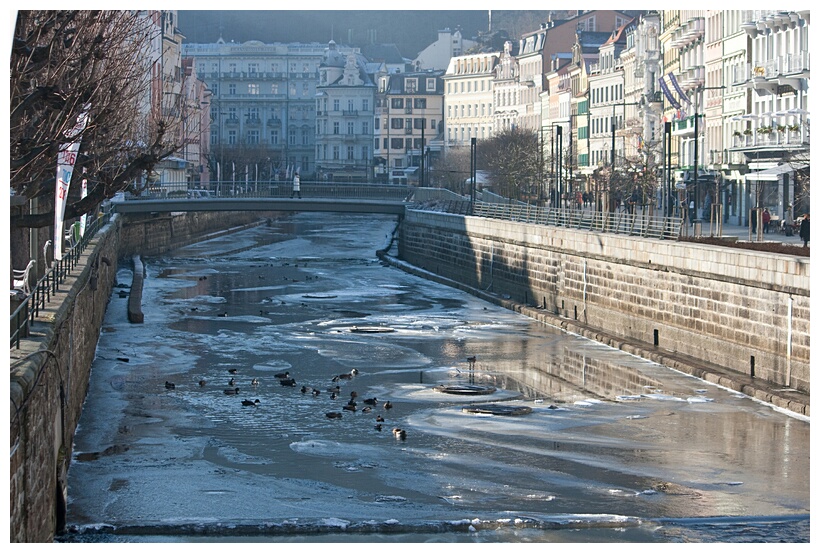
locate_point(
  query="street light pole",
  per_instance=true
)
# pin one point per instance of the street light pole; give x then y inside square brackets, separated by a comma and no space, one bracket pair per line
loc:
[698,90]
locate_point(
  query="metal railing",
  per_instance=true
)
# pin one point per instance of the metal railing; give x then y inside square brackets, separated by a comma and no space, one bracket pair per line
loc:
[619,222]
[276,189]
[49,284]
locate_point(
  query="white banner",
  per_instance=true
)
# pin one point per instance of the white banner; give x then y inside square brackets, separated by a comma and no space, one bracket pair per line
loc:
[84,218]
[66,157]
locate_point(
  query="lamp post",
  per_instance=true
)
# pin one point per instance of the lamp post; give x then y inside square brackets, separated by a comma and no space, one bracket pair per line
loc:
[612,172]
[697,116]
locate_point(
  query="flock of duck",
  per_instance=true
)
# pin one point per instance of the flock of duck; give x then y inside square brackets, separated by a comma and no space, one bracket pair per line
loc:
[285,379]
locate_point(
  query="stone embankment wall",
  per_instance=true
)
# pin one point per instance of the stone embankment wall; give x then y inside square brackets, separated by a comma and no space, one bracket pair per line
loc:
[50,371]
[738,309]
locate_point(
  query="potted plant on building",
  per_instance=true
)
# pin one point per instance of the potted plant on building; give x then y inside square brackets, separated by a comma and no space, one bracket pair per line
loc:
[764,130]
[781,128]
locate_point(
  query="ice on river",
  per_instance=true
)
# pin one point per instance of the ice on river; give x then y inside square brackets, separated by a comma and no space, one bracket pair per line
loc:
[609,439]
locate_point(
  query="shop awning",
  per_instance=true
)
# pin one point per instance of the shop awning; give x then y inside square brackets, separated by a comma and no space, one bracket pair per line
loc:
[773,173]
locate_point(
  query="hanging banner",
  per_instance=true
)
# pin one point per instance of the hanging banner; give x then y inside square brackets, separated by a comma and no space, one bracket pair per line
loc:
[677,87]
[66,157]
[668,94]
[83,194]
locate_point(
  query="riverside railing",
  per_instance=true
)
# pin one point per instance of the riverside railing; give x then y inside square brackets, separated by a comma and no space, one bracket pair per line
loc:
[23,317]
[632,224]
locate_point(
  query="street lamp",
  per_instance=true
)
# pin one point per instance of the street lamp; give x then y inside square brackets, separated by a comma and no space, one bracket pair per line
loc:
[622,104]
[697,102]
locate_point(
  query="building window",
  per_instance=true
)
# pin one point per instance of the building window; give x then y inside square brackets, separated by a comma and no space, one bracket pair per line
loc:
[274,88]
[365,153]
[411,85]
[350,129]
[214,136]
[231,113]
[252,137]
[397,103]
[376,123]
[231,137]
[431,84]
[335,152]
[253,114]
[253,68]
[231,89]
[365,104]
[350,150]
[396,123]
[418,123]
[396,143]
[215,89]
[305,137]
[420,103]
[274,137]
[335,127]
[292,137]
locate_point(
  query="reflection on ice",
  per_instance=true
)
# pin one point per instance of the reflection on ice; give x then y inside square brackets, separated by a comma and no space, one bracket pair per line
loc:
[607,432]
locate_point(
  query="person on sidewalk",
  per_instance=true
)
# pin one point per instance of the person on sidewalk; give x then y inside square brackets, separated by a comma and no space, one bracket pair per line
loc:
[296,186]
[804,230]
[788,223]
[767,218]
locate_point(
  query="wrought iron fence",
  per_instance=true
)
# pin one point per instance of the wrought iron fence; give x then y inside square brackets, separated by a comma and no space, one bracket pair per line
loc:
[49,284]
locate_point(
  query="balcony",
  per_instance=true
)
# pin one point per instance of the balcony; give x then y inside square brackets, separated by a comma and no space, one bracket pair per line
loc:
[769,74]
[350,113]
[789,139]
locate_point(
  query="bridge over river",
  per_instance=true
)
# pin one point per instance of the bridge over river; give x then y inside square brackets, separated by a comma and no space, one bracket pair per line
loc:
[354,198]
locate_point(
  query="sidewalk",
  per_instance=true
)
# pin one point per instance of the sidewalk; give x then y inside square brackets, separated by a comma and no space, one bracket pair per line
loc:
[742,233]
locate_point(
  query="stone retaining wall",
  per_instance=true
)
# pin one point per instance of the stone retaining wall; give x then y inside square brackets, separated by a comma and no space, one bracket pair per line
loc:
[743,310]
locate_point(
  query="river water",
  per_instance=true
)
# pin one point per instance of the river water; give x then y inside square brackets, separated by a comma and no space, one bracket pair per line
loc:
[590,444]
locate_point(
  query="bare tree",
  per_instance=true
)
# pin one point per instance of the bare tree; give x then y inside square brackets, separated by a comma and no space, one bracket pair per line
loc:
[453,170]
[513,160]
[63,61]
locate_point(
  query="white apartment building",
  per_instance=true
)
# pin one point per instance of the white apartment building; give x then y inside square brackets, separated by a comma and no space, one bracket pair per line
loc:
[507,101]
[468,98]
[777,145]
[450,44]
[345,109]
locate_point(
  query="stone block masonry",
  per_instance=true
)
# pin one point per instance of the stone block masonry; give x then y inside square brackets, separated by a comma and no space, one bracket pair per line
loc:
[719,307]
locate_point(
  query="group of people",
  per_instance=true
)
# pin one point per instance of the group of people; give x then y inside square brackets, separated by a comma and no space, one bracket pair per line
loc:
[788,223]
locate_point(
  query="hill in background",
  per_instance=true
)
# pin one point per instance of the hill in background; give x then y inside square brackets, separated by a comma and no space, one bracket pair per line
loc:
[411,31]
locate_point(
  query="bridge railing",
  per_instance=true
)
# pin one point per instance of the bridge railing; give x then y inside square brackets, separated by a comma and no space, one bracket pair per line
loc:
[281,189]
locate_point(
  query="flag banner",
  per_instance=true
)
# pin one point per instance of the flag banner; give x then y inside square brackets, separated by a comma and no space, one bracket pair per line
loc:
[83,194]
[66,157]
[668,94]
[675,84]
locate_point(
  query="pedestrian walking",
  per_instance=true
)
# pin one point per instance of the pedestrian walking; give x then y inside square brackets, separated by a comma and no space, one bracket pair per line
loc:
[788,223]
[804,230]
[767,218]
[296,186]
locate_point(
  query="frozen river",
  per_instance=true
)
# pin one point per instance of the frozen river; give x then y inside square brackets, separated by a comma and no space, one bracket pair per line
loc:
[593,444]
